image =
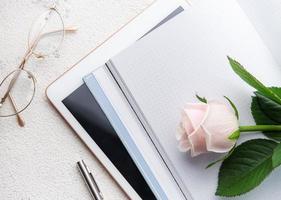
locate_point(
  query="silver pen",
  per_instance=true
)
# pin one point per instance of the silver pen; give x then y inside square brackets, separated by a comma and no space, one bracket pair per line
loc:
[90,181]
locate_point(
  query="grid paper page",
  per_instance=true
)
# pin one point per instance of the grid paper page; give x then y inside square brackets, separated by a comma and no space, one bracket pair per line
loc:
[165,69]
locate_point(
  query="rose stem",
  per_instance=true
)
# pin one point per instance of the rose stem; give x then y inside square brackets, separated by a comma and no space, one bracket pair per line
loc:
[260,128]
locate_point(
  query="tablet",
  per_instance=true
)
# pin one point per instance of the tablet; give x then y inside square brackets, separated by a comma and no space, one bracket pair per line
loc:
[72,99]
[87,111]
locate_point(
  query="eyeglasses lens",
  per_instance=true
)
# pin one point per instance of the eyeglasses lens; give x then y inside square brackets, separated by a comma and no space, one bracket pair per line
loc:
[46,33]
[22,90]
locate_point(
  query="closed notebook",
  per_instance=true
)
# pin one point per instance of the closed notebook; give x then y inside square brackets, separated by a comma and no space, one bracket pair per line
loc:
[188,55]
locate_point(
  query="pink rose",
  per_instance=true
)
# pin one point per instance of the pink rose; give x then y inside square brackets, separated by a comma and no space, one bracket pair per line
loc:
[205,127]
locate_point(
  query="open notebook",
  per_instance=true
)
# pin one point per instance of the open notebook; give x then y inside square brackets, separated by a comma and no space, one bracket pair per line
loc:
[162,71]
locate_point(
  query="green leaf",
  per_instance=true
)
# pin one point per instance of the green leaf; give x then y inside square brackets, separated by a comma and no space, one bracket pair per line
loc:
[252,81]
[276,158]
[276,90]
[222,158]
[269,107]
[235,135]
[248,165]
[202,99]
[233,106]
[215,162]
[262,116]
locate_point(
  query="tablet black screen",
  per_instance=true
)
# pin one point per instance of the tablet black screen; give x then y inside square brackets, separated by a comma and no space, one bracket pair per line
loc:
[88,113]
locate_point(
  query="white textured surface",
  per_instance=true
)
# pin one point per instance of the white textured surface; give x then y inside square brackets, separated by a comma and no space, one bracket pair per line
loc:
[39,161]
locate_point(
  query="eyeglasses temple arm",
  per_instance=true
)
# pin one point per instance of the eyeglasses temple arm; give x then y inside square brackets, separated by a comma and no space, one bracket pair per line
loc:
[67,29]
[19,118]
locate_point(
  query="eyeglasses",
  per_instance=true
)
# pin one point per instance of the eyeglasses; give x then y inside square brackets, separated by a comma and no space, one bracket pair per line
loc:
[17,89]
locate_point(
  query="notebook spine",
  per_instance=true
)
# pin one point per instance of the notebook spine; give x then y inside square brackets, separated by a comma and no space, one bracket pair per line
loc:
[148,129]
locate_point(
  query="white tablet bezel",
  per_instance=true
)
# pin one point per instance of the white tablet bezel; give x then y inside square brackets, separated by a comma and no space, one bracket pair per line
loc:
[72,79]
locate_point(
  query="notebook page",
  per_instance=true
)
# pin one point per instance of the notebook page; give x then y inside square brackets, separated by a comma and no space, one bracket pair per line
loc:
[141,140]
[187,55]
[266,17]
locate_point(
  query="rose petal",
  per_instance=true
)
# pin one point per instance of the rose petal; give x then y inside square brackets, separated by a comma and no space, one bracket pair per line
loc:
[218,125]
[184,146]
[186,123]
[180,132]
[197,141]
[196,113]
